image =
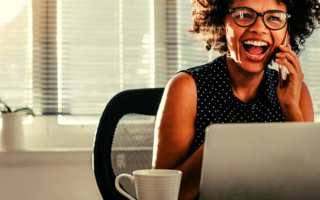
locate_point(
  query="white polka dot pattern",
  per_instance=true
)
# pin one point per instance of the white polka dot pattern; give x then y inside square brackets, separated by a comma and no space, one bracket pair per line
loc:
[217,103]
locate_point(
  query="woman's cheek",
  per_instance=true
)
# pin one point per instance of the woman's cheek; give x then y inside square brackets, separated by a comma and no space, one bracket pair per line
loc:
[230,37]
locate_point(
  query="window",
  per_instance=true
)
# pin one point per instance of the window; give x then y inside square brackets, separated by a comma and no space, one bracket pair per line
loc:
[70,57]
[310,66]
[16,52]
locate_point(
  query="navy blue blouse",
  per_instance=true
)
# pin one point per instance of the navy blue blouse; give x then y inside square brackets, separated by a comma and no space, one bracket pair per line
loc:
[217,104]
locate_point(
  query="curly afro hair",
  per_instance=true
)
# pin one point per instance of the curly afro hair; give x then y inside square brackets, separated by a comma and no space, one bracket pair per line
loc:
[209,18]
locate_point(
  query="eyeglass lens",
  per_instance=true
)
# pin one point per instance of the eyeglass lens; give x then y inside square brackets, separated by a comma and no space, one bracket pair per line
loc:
[272,19]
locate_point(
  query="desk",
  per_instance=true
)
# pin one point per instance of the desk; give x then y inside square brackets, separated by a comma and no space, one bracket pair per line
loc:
[51,174]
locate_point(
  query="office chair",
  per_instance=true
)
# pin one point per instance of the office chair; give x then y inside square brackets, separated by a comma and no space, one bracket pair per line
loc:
[124,139]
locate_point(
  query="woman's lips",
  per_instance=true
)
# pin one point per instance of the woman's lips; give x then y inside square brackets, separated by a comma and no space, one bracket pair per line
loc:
[252,57]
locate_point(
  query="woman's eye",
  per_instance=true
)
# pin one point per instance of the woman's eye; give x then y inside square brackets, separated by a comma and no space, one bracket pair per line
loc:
[274,18]
[244,16]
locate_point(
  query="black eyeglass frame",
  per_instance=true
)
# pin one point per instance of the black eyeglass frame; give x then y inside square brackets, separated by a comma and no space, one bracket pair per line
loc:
[231,10]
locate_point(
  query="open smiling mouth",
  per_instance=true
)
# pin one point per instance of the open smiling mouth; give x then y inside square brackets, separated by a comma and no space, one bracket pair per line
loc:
[255,48]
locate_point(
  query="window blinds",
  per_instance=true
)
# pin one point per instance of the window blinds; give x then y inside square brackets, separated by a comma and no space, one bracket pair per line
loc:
[105,47]
[44,77]
[16,53]
[183,50]
[87,55]
[310,61]
[72,56]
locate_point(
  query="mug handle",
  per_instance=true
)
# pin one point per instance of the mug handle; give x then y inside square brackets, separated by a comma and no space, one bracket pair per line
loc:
[116,183]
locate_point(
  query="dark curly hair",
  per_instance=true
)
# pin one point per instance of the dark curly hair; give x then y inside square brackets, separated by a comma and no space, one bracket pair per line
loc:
[209,20]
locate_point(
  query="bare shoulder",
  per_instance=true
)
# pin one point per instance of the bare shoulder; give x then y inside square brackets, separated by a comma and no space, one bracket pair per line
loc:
[179,98]
[306,103]
[174,131]
[181,85]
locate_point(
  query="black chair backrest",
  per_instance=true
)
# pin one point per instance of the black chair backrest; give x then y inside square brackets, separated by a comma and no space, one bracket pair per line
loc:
[124,139]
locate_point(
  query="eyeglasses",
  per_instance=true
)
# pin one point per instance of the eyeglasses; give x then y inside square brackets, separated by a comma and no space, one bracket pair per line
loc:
[273,19]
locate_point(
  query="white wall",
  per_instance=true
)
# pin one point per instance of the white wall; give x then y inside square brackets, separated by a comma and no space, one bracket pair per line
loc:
[55,174]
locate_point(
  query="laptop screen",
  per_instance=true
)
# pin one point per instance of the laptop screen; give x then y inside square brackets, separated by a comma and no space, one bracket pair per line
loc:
[261,161]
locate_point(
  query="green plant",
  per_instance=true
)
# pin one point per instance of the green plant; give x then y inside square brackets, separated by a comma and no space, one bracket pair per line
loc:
[7,109]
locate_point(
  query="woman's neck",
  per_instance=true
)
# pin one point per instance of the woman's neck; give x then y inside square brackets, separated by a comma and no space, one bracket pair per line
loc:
[244,85]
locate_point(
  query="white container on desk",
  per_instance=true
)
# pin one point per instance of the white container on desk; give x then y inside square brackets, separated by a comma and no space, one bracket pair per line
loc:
[12,136]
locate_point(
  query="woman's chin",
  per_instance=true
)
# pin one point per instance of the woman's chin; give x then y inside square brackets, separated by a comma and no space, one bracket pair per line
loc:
[254,63]
[253,67]
[248,65]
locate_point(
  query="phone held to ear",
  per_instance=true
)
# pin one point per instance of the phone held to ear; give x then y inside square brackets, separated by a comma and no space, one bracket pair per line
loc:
[283,71]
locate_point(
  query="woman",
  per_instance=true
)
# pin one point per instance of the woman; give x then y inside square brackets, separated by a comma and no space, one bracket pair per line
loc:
[238,86]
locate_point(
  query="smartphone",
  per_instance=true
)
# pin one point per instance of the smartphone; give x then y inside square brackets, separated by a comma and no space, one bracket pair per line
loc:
[283,71]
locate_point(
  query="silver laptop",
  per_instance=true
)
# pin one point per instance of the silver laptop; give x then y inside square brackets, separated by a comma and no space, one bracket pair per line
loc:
[261,161]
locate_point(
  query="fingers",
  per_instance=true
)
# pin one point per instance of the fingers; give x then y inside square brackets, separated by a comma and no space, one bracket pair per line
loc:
[290,55]
[288,58]
[287,64]
[288,49]
[286,52]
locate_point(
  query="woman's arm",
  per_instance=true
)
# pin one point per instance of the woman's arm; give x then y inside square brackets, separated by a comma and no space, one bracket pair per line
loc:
[174,134]
[304,111]
[305,104]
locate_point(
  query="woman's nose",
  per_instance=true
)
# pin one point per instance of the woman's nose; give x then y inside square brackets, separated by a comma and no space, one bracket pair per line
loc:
[258,26]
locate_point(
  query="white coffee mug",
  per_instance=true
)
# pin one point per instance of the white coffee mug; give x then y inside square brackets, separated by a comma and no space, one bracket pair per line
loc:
[155,184]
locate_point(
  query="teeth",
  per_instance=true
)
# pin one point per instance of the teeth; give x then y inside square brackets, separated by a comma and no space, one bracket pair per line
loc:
[255,55]
[256,43]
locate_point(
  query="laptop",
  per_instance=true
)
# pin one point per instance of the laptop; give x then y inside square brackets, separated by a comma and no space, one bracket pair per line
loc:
[261,161]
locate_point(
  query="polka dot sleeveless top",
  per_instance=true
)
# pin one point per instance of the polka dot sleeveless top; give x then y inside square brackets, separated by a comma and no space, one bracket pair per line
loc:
[217,104]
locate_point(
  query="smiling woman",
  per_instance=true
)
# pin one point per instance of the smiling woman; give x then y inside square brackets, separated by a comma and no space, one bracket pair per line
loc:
[239,86]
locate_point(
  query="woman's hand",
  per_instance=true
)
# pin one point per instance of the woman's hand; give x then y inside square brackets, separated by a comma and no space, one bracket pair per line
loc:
[294,97]
[289,95]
